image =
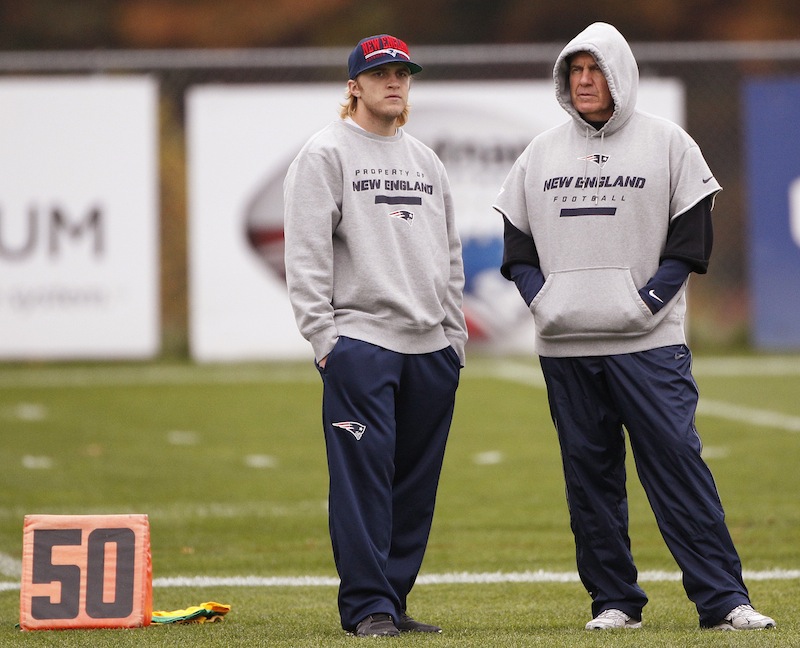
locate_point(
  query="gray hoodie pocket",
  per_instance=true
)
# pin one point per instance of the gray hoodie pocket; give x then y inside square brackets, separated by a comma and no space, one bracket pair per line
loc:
[591,302]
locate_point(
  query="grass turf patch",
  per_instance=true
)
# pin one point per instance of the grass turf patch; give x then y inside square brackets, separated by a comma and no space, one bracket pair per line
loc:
[229,464]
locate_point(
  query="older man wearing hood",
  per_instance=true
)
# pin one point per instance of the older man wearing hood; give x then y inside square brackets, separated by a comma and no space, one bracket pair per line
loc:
[605,217]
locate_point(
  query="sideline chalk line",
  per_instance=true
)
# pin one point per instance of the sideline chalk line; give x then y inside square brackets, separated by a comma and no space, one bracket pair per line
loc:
[452,578]
[526,372]
[523,370]
[530,374]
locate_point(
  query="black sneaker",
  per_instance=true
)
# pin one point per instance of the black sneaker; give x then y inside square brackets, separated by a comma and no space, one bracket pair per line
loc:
[377,625]
[407,624]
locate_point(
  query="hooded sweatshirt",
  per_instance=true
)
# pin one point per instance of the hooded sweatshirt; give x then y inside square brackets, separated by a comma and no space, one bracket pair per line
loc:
[597,206]
[371,246]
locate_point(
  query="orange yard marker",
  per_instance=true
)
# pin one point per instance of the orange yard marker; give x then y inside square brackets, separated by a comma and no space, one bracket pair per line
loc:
[86,571]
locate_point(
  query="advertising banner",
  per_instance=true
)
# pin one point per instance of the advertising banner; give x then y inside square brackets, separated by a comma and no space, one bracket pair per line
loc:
[773,176]
[241,141]
[78,218]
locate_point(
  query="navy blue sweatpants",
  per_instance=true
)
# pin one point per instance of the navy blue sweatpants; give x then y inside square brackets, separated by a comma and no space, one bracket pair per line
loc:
[386,418]
[654,396]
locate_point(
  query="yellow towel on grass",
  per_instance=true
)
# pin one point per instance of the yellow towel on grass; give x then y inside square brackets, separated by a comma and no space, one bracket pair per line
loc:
[204,613]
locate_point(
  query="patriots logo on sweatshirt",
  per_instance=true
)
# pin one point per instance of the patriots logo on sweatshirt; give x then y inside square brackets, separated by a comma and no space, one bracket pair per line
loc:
[403,214]
[597,158]
[353,427]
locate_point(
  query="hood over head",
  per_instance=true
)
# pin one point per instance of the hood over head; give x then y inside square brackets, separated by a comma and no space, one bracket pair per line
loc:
[616,60]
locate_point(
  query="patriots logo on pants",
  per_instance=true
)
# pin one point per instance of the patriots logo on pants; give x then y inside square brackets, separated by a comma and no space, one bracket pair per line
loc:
[353,427]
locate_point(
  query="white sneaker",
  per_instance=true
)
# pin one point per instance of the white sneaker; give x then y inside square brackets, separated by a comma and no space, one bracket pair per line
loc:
[744,617]
[611,620]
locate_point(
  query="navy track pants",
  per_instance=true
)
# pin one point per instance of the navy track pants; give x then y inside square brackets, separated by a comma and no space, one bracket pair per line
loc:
[386,418]
[654,396]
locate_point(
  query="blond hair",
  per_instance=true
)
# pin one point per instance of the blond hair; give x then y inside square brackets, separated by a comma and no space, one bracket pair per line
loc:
[348,108]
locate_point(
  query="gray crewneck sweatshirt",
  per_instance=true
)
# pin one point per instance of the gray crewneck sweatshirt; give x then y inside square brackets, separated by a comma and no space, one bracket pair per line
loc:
[598,205]
[372,249]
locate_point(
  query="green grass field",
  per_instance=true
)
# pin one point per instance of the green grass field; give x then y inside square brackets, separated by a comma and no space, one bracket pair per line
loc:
[229,464]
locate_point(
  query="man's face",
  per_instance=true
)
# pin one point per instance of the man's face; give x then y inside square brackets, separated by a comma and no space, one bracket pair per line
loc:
[588,88]
[382,91]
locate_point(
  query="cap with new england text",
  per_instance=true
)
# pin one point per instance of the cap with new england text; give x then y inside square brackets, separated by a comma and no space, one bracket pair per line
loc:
[378,50]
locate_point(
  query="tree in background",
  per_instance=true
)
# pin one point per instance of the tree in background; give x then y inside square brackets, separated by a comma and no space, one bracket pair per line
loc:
[60,24]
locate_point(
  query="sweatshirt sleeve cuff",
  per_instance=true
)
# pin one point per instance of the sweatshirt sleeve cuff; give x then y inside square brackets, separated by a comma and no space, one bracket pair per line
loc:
[323,341]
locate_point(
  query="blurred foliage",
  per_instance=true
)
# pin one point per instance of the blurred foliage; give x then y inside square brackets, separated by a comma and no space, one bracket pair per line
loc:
[125,24]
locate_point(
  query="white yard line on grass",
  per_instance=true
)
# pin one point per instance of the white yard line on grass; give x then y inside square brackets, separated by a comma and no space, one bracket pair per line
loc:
[10,566]
[530,374]
[748,415]
[111,376]
[525,372]
[784,365]
[517,372]
[453,578]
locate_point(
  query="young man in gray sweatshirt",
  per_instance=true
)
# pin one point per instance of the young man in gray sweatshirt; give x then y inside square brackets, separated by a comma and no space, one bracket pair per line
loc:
[605,217]
[375,278]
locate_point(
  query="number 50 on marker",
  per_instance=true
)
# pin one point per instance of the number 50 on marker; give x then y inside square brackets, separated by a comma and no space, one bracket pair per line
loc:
[86,571]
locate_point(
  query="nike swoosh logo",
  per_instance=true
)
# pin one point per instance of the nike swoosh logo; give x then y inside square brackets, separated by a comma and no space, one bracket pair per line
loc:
[707,180]
[652,293]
